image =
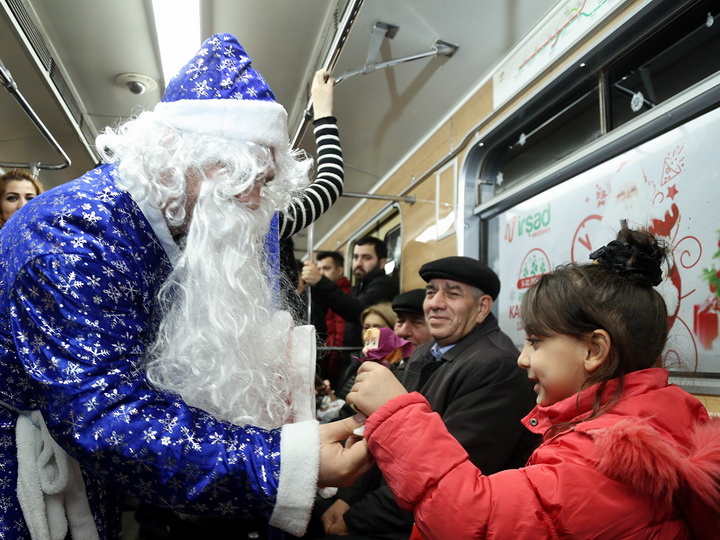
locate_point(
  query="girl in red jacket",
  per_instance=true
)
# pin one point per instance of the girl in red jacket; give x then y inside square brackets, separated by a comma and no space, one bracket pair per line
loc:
[624,453]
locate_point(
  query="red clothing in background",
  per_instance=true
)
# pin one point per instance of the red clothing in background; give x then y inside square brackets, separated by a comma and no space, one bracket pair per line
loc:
[332,362]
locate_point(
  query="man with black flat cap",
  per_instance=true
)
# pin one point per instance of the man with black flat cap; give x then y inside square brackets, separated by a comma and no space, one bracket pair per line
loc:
[411,324]
[470,376]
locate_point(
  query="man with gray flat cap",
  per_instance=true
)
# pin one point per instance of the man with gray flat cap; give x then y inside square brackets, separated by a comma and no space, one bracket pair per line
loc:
[470,376]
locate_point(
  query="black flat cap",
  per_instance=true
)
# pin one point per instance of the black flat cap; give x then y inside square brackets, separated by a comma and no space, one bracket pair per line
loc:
[409,302]
[465,270]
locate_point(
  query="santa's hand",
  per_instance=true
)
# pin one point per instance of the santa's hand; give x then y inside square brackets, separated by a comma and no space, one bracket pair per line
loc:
[374,386]
[341,465]
[333,521]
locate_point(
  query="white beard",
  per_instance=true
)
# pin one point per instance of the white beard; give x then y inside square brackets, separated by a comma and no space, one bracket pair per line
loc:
[222,344]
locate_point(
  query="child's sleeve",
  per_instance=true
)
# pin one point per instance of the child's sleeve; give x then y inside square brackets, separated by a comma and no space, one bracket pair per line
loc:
[432,476]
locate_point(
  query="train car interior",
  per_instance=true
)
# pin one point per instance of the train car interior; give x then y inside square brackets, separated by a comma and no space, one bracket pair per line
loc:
[453,115]
[518,132]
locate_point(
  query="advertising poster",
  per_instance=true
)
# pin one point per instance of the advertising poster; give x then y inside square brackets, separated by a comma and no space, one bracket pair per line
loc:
[671,185]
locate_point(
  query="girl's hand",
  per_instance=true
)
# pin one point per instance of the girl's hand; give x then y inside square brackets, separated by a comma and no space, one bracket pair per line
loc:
[374,386]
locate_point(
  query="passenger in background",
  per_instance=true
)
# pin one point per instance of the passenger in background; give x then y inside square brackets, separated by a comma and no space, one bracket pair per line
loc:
[372,286]
[625,453]
[17,187]
[470,377]
[411,324]
[377,316]
[331,265]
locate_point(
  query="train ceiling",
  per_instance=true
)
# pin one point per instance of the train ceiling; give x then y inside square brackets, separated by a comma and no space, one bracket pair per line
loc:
[65,58]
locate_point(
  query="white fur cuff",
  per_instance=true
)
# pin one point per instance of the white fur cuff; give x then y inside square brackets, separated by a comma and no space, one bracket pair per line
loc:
[300,466]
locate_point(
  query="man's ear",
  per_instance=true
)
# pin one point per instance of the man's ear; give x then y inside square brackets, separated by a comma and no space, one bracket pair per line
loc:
[598,350]
[485,303]
[381,263]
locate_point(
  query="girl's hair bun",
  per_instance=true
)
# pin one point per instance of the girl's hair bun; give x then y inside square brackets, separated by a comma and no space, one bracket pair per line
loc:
[635,254]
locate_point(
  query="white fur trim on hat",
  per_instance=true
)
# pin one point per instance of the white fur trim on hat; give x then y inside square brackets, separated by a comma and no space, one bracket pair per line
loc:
[261,122]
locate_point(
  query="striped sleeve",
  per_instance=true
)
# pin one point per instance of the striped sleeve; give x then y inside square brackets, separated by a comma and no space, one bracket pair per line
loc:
[319,196]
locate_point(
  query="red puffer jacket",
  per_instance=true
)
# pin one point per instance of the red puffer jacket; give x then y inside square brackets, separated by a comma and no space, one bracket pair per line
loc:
[649,468]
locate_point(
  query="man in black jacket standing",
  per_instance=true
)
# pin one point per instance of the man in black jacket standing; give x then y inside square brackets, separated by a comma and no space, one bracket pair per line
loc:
[372,286]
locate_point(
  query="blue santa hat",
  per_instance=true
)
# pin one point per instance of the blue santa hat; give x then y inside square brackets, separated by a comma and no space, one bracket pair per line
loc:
[218,93]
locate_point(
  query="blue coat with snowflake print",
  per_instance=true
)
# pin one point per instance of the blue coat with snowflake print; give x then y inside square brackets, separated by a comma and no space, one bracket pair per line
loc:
[80,267]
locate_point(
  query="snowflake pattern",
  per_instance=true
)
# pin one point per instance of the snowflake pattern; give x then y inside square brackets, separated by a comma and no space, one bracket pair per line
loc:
[119,254]
[78,274]
[220,70]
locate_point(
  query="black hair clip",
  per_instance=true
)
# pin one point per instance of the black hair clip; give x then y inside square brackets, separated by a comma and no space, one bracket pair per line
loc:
[623,258]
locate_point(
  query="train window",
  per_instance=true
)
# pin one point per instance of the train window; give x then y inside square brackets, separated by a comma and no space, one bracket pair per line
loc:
[552,189]
[568,114]
[664,183]
[673,59]
[557,133]
[445,181]
[393,241]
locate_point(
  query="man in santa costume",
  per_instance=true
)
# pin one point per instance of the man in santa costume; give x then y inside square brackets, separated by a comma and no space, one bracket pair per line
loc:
[142,348]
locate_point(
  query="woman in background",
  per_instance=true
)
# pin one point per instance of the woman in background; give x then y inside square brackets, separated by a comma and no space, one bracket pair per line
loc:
[17,187]
[378,316]
[331,404]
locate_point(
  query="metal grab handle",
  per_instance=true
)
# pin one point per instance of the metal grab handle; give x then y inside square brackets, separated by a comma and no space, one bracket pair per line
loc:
[8,82]
[439,48]
[348,20]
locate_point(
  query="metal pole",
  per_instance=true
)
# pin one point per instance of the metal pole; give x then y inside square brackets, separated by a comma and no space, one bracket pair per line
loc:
[410,199]
[346,23]
[8,82]
[440,48]
[339,39]
[310,244]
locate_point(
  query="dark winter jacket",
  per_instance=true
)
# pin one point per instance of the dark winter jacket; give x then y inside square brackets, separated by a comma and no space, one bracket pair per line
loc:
[375,288]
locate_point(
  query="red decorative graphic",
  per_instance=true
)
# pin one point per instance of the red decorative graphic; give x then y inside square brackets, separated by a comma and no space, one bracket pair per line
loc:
[649,182]
[664,227]
[510,229]
[582,238]
[672,191]
[601,194]
[705,322]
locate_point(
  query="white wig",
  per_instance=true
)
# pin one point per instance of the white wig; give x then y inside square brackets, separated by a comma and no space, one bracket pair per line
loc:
[221,343]
[154,160]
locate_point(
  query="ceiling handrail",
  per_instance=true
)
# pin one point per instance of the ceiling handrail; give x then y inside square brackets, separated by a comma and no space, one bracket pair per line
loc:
[6,79]
[409,199]
[339,40]
[439,48]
